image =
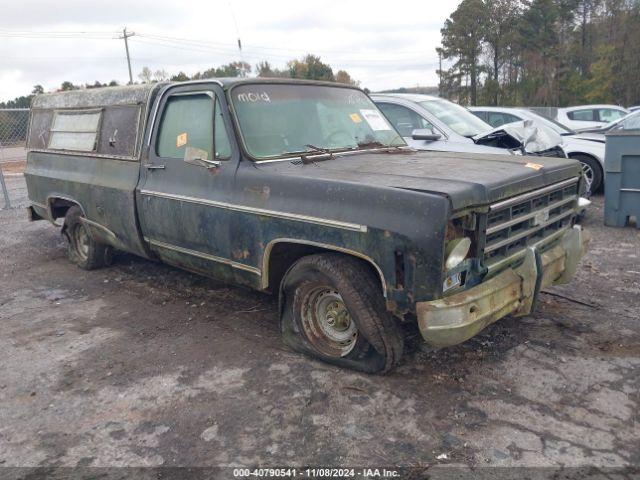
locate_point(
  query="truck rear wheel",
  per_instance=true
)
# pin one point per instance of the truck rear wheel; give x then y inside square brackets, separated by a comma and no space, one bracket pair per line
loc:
[83,250]
[333,309]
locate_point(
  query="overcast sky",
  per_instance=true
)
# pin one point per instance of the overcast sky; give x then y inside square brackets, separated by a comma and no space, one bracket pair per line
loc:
[382,47]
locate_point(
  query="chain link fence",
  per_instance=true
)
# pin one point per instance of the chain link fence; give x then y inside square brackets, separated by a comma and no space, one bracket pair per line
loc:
[13,155]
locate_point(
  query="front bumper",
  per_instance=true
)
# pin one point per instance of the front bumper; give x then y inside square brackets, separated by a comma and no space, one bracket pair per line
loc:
[454,319]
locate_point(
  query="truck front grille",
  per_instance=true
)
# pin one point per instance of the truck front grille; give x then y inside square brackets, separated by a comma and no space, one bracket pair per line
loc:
[525,220]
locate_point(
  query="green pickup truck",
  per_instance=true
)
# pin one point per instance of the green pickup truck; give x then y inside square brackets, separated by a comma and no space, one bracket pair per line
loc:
[304,189]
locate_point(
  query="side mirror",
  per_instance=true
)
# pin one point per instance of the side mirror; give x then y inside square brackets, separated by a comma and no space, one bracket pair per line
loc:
[198,157]
[425,134]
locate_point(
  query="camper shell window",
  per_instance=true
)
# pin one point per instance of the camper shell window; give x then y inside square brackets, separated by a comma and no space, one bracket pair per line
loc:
[75,130]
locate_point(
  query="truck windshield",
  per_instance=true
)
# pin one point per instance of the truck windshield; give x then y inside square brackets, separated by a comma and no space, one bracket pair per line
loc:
[458,118]
[284,119]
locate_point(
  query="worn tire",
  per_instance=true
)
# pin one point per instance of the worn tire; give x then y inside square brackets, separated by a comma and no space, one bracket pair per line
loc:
[380,341]
[87,254]
[595,167]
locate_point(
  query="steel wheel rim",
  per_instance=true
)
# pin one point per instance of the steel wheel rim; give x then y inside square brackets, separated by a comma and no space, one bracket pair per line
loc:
[82,241]
[327,322]
[588,175]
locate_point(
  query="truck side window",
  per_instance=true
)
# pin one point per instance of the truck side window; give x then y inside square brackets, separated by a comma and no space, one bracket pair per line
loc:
[221,142]
[187,121]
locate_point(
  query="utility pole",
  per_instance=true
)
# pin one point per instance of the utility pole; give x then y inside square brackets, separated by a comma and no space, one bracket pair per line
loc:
[125,36]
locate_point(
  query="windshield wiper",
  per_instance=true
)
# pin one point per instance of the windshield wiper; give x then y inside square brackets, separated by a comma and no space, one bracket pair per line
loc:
[320,149]
[310,149]
[305,156]
[378,144]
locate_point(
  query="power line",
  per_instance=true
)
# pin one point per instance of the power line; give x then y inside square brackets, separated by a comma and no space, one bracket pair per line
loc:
[360,61]
[52,35]
[180,40]
[256,47]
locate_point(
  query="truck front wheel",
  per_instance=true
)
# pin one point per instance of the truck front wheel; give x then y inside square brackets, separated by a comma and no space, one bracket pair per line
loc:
[83,250]
[333,309]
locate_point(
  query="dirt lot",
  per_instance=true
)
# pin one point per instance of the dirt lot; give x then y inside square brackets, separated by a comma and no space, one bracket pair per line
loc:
[143,364]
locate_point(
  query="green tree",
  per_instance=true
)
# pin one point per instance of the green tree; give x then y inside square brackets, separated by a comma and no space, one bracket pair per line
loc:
[499,32]
[310,67]
[539,37]
[264,69]
[180,77]
[600,87]
[462,37]
[343,77]
[66,86]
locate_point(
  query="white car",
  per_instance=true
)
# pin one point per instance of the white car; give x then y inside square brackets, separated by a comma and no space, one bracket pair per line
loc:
[635,108]
[589,116]
[588,151]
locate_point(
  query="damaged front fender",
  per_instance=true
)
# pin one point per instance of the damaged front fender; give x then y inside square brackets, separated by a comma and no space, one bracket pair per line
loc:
[521,135]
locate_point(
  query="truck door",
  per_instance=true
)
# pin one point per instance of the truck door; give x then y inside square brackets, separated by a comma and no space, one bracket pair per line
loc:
[186,178]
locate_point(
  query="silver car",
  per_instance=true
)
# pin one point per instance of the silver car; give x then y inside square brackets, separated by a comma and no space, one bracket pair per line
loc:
[432,123]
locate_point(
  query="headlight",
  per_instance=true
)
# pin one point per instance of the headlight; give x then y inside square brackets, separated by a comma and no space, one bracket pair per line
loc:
[456,251]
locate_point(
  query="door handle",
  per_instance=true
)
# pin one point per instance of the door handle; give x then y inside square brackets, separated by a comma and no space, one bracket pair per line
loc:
[151,166]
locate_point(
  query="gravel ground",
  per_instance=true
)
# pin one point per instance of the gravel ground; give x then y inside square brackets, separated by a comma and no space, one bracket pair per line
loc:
[141,364]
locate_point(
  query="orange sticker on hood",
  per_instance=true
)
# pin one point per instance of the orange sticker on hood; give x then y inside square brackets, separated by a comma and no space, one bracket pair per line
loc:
[535,166]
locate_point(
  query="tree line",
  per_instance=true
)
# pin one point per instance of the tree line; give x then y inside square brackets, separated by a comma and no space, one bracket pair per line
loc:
[309,67]
[542,52]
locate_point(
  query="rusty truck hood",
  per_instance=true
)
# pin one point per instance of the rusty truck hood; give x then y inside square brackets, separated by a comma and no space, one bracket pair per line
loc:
[468,179]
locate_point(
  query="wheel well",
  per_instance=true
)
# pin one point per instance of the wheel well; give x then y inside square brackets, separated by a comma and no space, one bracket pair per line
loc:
[579,155]
[282,255]
[60,206]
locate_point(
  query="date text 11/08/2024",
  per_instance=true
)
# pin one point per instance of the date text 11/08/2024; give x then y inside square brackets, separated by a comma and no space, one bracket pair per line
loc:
[315,473]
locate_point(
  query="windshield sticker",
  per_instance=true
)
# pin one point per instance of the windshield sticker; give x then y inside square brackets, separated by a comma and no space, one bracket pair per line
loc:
[181,140]
[253,97]
[535,166]
[355,117]
[375,119]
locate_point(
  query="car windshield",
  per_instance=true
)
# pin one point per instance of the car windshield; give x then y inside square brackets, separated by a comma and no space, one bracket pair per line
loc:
[458,118]
[286,119]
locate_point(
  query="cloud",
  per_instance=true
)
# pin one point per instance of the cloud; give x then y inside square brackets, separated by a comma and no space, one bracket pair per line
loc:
[381,47]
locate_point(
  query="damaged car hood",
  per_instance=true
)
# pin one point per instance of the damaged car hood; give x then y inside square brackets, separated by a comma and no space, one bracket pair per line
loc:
[467,179]
[532,138]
